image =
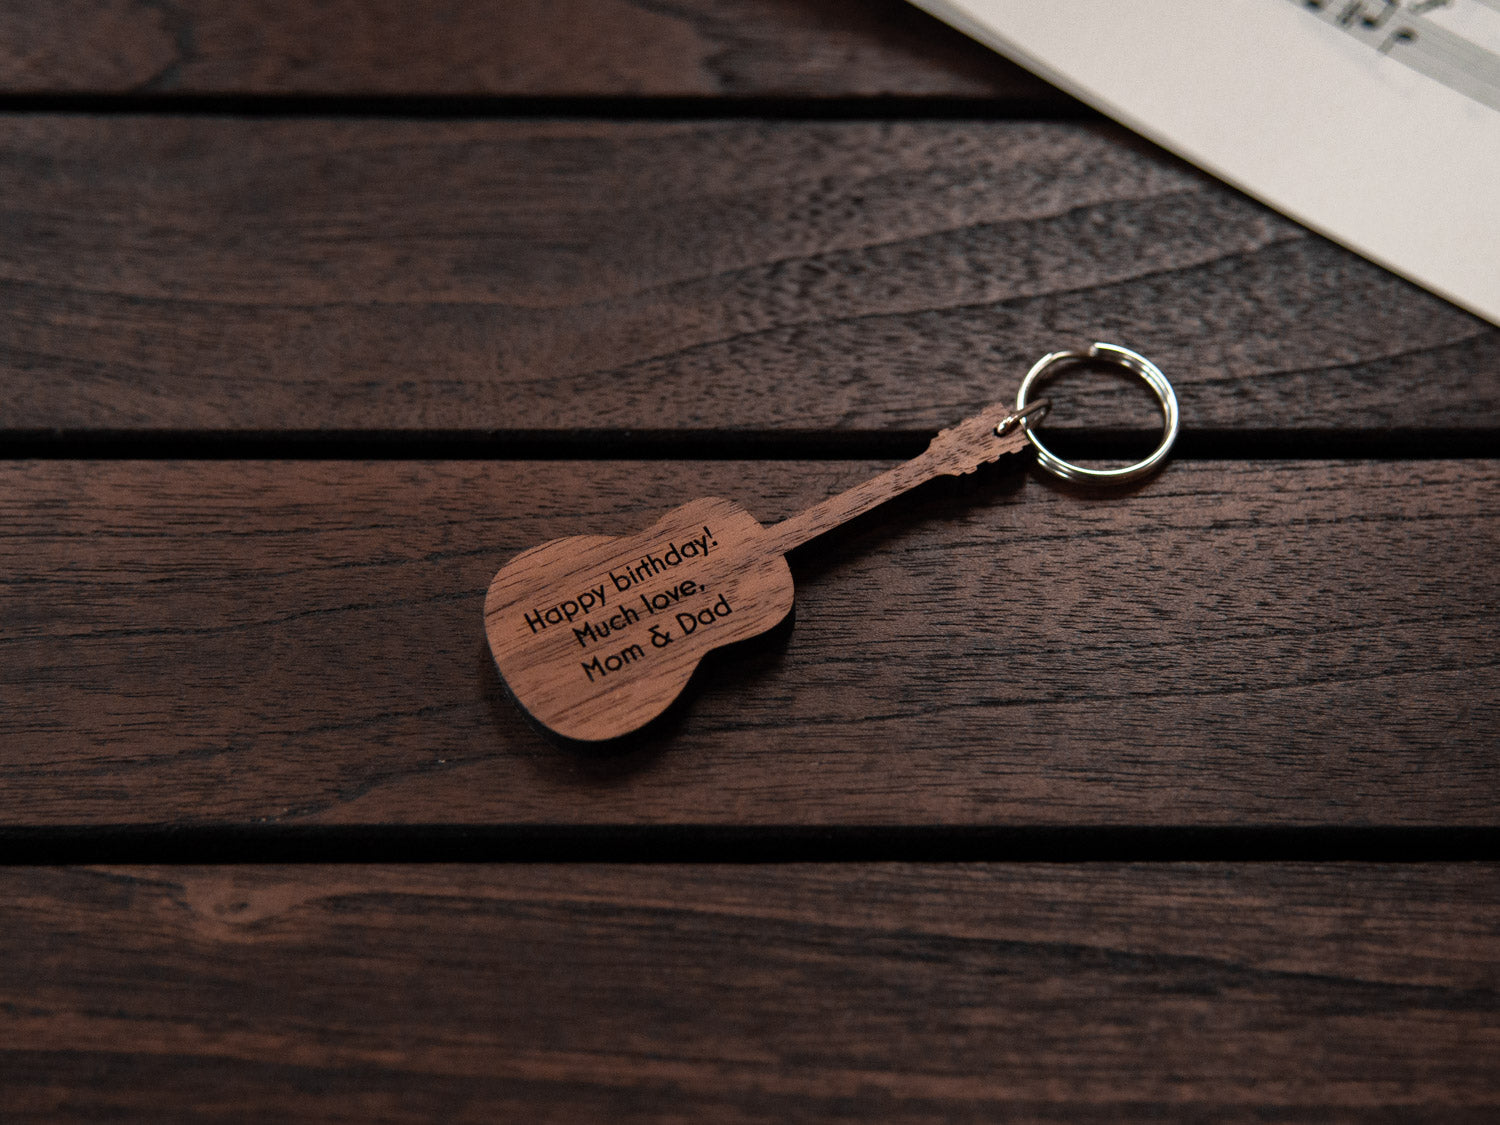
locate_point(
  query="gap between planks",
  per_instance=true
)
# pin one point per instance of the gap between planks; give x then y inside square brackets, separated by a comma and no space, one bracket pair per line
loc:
[482,108]
[354,844]
[1415,444]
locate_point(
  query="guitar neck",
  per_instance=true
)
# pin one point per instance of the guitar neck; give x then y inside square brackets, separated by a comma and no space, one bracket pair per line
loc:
[986,437]
[866,496]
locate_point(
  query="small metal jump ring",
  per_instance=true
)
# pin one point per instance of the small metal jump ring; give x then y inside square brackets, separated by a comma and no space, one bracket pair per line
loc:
[1131,361]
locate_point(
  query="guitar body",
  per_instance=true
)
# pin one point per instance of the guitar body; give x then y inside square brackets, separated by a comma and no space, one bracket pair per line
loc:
[596,635]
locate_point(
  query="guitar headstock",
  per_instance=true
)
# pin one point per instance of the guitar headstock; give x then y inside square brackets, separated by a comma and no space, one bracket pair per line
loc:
[987,436]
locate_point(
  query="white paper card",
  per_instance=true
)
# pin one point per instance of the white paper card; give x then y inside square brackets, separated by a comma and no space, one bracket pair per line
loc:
[1375,122]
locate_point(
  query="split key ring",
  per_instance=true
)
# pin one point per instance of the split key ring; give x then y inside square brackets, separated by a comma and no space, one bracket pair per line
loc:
[1121,357]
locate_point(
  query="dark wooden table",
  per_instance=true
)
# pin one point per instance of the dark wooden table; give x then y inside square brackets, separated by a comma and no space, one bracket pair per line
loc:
[1056,805]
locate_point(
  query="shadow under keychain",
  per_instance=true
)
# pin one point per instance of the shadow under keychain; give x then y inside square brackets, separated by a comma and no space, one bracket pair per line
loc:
[596,635]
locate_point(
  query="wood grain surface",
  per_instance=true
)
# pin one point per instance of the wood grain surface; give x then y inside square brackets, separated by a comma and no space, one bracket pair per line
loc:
[654,228]
[1232,643]
[514,48]
[897,993]
[726,277]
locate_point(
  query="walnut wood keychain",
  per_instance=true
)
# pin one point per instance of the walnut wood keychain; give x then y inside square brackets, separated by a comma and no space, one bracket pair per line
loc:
[596,635]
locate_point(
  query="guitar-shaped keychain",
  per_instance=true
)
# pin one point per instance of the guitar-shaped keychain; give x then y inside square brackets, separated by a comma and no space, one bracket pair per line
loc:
[596,635]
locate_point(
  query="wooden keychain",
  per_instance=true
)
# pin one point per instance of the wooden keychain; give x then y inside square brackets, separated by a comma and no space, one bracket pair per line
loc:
[596,635]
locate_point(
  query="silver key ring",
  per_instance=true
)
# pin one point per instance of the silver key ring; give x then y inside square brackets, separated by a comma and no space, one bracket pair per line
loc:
[1131,361]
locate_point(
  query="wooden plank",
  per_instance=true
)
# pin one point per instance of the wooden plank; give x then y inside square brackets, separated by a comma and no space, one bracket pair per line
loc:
[1233,643]
[761,993]
[743,277]
[567,48]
